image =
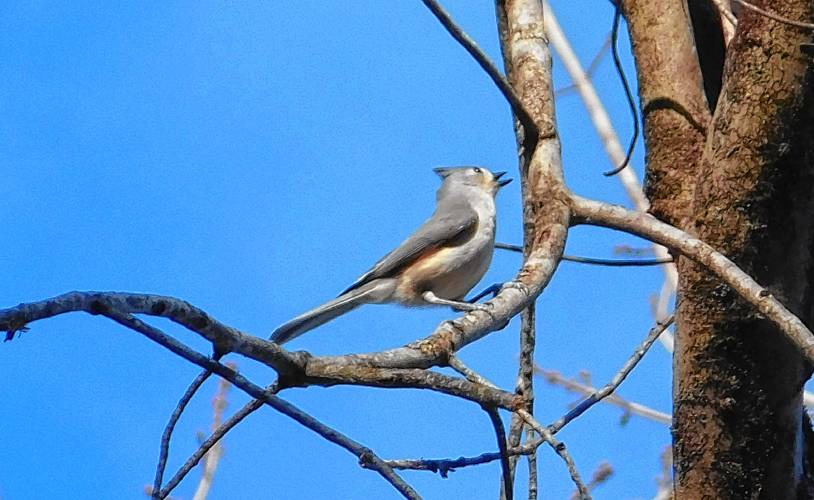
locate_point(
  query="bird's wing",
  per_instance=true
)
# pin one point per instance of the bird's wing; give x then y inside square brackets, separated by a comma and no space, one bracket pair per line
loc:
[452,228]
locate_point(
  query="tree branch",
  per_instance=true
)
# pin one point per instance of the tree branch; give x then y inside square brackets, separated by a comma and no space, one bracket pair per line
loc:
[617,62]
[500,433]
[164,448]
[362,452]
[213,456]
[531,129]
[620,377]
[212,440]
[524,386]
[560,449]
[298,368]
[629,407]
[594,261]
[444,466]
[545,435]
[596,110]
[15,318]
[645,225]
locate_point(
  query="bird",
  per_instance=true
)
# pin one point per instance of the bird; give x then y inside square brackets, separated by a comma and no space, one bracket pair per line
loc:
[437,265]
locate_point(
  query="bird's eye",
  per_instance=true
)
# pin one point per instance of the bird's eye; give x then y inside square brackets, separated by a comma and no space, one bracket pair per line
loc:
[476,170]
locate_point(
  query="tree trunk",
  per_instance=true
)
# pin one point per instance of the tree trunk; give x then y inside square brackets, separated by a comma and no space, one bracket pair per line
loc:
[738,427]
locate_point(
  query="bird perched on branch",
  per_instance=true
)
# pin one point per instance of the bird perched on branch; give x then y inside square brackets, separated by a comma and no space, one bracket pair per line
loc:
[438,265]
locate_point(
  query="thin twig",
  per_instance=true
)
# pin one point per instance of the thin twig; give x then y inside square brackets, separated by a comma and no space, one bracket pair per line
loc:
[665,479]
[561,450]
[617,61]
[585,211]
[592,67]
[213,456]
[459,366]
[610,139]
[662,310]
[620,377]
[500,433]
[776,17]
[363,453]
[595,108]
[532,131]
[629,407]
[598,262]
[443,466]
[212,440]
[599,477]
[532,461]
[525,382]
[170,427]
[545,435]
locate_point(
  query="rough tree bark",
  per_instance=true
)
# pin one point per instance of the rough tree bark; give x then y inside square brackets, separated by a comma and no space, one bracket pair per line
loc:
[746,187]
[674,107]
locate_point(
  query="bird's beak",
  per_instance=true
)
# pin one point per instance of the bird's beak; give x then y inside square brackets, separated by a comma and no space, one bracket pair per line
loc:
[502,183]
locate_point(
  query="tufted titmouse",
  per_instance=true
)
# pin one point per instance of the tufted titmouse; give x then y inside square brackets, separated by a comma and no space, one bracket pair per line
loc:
[438,264]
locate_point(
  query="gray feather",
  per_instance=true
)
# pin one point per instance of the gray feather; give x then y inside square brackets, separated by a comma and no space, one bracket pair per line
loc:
[322,314]
[453,222]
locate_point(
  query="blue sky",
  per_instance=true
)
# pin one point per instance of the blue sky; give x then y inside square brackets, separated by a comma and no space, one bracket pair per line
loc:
[255,158]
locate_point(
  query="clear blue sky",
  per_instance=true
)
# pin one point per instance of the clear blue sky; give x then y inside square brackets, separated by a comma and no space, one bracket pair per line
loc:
[254,158]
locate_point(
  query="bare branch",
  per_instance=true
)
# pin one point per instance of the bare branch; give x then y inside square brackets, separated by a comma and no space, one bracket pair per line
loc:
[546,436]
[213,439]
[617,62]
[297,368]
[593,104]
[532,131]
[661,311]
[362,452]
[598,262]
[213,456]
[532,462]
[560,449]
[95,303]
[168,429]
[592,67]
[645,225]
[604,127]
[224,338]
[500,433]
[620,377]
[629,407]
[525,383]
[528,62]
[444,466]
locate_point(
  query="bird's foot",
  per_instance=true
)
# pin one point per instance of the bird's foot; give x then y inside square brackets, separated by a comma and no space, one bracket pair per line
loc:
[431,298]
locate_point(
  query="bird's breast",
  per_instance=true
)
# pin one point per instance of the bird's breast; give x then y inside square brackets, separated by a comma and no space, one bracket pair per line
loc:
[449,272]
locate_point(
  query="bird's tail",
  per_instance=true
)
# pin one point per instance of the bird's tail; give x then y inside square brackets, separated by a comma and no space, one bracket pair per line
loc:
[323,314]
